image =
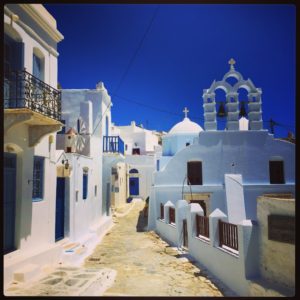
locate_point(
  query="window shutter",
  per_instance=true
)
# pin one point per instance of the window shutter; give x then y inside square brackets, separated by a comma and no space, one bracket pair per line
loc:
[36,67]
[194,172]
[38,177]
[276,172]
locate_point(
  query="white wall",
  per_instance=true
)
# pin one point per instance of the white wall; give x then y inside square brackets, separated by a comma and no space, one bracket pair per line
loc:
[145,165]
[42,43]
[145,139]
[249,150]
[277,259]
[35,221]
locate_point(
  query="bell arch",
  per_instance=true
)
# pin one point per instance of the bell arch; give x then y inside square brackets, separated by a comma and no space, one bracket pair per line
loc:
[233,101]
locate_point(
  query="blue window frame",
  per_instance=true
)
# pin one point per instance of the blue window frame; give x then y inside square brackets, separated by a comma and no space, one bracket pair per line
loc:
[37,67]
[85,185]
[38,178]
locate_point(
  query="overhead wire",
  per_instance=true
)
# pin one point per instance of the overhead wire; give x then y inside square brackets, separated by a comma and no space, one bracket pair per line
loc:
[130,63]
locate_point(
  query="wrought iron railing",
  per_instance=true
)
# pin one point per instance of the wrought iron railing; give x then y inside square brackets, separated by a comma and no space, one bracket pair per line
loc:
[113,144]
[23,90]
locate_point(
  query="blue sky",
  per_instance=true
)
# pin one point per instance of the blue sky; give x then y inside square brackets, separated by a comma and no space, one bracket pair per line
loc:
[184,50]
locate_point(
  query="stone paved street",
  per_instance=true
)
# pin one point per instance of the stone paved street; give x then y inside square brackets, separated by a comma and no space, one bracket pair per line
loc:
[146,265]
[129,261]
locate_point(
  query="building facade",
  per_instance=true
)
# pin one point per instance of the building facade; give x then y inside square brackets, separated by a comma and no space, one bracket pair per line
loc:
[83,217]
[209,188]
[32,116]
[142,149]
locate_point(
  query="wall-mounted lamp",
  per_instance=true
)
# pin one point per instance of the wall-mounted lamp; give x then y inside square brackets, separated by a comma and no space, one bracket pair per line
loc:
[66,163]
[51,139]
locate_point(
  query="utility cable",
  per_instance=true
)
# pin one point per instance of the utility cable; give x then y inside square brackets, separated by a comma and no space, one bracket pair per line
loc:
[130,63]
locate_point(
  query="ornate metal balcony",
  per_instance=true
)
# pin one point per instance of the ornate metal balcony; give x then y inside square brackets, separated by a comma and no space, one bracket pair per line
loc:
[23,90]
[113,144]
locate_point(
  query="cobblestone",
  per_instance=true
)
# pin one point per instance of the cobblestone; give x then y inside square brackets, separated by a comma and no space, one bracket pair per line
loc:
[147,265]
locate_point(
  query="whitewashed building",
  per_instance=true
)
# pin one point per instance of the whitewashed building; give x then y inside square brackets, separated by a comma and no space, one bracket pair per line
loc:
[81,212]
[32,114]
[142,149]
[204,194]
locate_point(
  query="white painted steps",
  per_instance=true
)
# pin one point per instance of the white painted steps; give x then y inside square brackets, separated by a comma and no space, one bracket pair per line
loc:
[26,273]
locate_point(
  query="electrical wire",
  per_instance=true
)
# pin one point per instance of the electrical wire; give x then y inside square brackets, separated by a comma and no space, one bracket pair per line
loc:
[130,62]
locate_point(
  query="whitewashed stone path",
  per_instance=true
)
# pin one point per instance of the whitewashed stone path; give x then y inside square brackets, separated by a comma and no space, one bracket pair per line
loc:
[128,262]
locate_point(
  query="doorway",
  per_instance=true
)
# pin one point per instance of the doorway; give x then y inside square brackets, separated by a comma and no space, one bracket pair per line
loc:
[60,209]
[10,166]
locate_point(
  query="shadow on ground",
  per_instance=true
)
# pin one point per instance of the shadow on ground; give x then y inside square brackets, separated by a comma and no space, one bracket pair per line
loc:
[142,222]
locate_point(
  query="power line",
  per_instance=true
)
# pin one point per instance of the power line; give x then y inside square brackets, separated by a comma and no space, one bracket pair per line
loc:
[130,63]
[158,109]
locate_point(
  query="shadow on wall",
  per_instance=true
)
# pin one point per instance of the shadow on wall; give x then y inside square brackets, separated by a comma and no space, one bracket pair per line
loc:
[142,222]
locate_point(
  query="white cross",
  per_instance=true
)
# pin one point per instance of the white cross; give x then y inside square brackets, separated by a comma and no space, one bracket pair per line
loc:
[185,112]
[231,62]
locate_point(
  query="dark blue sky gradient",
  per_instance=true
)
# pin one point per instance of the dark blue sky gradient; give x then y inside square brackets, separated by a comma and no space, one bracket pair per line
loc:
[186,48]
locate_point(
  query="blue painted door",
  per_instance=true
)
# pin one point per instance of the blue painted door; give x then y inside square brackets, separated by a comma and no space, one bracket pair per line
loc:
[60,209]
[10,163]
[134,186]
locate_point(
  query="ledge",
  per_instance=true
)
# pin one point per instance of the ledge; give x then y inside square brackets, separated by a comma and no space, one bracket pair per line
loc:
[229,251]
[203,239]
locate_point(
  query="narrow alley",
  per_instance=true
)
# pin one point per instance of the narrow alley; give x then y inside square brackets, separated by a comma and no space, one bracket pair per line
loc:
[129,261]
[146,265]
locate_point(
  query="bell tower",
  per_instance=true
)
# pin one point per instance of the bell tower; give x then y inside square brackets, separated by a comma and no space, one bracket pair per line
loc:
[234,108]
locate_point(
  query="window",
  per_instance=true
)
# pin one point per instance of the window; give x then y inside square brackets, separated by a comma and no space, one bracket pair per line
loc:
[38,178]
[157,165]
[37,67]
[126,147]
[187,144]
[194,172]
[276,172]
[162,214]
[136,151]
[202,204]
[171,215]
[85,186]
[95,190]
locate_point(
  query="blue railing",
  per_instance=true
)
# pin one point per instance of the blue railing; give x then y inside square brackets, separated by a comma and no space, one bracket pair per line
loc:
[113,144]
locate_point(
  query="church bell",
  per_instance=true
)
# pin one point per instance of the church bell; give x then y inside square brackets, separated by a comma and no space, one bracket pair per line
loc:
[221,112]
[243,112]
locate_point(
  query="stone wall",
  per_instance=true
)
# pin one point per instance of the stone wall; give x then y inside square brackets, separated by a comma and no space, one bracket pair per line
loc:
[277,259]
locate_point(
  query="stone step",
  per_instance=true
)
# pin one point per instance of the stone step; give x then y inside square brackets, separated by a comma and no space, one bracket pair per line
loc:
[26,273]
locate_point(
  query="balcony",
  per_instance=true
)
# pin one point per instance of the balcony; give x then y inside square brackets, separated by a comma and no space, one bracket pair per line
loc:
[24,91]
[28,100]
[113,144]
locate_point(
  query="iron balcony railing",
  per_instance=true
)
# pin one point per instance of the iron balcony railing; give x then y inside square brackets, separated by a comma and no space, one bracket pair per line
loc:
[23,90]
[113,144]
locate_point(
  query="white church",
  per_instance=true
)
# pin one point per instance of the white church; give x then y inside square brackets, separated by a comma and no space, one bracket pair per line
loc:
[204,195]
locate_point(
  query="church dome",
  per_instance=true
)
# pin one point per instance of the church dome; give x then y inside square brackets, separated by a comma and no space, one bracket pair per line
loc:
[186,126]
